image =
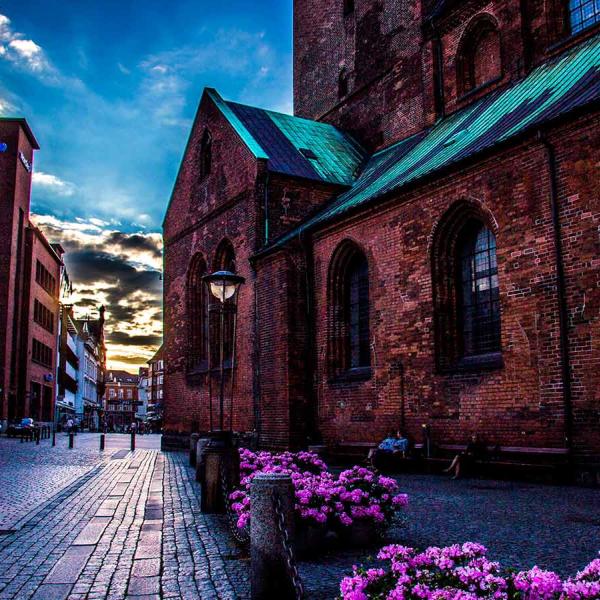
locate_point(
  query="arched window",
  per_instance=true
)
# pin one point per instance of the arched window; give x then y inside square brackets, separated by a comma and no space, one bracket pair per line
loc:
[224,261]
[197,304]
[205,154]
[583,14]
[465,290]
[479,307]
[348,7]
[349,332]
[343,84]
[479,56]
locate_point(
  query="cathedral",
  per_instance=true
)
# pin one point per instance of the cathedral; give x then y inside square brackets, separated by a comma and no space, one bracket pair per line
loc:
[420,241]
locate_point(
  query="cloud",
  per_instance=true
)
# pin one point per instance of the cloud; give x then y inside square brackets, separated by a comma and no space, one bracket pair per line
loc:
[120,270]
[53,184]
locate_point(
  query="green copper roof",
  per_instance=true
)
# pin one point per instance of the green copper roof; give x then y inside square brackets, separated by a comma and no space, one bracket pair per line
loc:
[238,126]
[294,146]
[551,90]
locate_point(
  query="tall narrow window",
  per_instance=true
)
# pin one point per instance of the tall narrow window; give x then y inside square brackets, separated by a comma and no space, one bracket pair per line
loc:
[343,84]
[197,296]
[466,295]
[205,154]
[479,299]
[348,7]
[358,313]
[583,14]
[348,331]
[224,261]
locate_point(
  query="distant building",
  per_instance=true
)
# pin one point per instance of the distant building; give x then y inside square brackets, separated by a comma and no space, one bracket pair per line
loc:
[67,370]
[156,373]
[120,399]
[91,352]
[144,390]
[30,275]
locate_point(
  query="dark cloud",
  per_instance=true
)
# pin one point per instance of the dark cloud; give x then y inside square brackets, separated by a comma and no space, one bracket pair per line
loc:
[122,337]
[130,360]
[135,241]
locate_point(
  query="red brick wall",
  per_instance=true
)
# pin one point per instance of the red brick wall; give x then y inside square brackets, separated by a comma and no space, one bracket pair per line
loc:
[521,403]
[379,45]
[201,215]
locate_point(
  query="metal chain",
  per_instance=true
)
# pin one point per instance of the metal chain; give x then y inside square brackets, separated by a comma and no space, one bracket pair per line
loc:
[290,559]
[240,536]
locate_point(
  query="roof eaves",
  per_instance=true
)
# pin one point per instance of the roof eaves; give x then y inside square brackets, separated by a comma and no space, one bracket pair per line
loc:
[23,122]
[237,125]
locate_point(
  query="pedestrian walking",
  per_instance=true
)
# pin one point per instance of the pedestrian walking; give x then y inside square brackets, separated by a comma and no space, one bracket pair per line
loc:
[70,425]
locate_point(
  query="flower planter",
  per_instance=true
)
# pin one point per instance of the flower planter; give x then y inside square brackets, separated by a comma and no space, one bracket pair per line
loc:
[309,538]
[360,534]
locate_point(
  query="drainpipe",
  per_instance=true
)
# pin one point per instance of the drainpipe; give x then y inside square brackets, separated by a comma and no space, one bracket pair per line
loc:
[561,293]
[311,354]
[266,208]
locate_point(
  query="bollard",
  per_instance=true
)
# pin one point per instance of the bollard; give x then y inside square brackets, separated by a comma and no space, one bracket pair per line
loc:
[101,441]
[200,450]
[193,442]
[132,441]
[54,436]
[71,439]
[269,576]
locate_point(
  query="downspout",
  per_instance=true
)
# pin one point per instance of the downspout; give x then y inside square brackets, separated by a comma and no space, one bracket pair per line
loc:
[563,315]
[311,354]
[266,209]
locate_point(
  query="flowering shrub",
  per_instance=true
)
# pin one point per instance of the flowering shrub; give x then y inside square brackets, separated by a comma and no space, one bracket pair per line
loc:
[462,573]
[358,494]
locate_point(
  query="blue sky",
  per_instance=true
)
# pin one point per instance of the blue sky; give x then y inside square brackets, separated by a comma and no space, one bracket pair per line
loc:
[110,89]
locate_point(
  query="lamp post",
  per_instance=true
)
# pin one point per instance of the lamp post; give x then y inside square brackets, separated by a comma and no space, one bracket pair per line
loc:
[219,467]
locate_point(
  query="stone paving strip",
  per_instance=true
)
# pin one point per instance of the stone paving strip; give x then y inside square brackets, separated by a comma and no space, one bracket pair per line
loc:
[131,528]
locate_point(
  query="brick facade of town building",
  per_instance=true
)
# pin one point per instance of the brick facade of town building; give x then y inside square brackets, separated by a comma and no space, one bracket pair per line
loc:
[406,67]
[30,274]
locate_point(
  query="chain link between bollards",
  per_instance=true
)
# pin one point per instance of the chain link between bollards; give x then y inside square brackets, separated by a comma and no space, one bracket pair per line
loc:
[243,539]
[290,559]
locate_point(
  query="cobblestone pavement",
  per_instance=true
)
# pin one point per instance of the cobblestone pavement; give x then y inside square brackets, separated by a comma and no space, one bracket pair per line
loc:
[127,525]
[30,474]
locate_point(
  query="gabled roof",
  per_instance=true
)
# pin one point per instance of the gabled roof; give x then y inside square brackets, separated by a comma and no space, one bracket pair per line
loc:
[292,145]
[551,90]
[157,355]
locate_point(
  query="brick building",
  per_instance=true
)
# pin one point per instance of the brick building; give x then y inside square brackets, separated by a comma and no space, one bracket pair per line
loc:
[156,374]
[420,241]
[30,274]
[120,400]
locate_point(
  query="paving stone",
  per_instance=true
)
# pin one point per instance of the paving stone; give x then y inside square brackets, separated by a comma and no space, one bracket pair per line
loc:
[143,586]
[52,592]
[147,567]
[70,565]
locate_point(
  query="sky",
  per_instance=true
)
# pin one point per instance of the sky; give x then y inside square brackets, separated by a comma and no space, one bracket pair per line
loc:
[110,89]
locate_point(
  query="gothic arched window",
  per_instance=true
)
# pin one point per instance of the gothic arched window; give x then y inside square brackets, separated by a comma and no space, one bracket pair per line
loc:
[479,305]
[205,154]
[348,7]
[479,56]
[197,301]
[583,14]
[349,332]
[466,290]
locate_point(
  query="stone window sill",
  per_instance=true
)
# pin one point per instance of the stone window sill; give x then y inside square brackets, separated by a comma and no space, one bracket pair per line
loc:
[352,375]
[480,362]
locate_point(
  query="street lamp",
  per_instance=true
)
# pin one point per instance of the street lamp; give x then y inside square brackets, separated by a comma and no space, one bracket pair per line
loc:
[219,469]
[224,287]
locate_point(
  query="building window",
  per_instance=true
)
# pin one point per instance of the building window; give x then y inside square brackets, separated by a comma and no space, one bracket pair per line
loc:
[479,57]
[41,354]
[197,295]
[466,290]
[45,279]
[348,7]
[583,14]
[349,332]
[343,84]
[205,154]
[479,308]
[42,316]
